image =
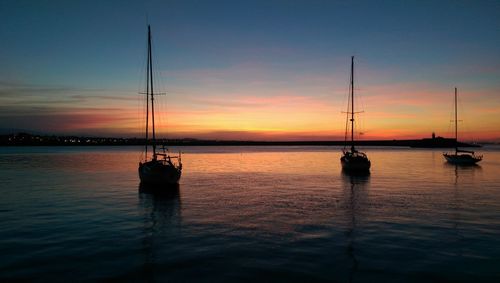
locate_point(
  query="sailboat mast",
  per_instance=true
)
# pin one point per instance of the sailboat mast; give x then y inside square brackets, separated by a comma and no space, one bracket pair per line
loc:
[456,123]
[352,103]
[150,62]
[147,101]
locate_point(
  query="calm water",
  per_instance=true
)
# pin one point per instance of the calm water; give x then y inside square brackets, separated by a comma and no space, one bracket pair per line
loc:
[249,213]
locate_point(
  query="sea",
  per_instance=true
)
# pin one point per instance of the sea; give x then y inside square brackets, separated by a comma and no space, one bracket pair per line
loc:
[248,214]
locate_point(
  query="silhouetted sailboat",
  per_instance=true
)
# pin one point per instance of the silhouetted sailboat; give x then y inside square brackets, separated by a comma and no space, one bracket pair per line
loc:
[352,159]
[464,157]
[160,170]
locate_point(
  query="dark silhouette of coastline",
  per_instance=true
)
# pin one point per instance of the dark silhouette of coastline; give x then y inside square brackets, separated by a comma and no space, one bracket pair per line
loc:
[24,139]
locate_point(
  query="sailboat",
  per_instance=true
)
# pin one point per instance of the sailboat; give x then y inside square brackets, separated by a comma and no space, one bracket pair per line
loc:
[162,168]
[463,157]
[352,159]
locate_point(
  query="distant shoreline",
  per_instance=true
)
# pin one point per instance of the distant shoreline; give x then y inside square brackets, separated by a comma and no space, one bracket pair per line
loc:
[23,139]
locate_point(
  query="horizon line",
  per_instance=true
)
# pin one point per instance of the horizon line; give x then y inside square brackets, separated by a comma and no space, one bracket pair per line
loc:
[493,140]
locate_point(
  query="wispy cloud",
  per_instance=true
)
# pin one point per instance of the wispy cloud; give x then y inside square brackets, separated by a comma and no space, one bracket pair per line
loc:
[63,120]
[35,93]
[251,103]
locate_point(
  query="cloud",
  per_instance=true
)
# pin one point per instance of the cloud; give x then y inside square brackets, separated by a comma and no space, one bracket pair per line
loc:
[25,93]
[63,120]
[16,88]
[258,135]
[254,106]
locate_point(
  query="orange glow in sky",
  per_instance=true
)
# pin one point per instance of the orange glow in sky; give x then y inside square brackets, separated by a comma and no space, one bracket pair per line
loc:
[228,75]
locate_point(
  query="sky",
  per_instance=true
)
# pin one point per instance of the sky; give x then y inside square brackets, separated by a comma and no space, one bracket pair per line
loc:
[251,70]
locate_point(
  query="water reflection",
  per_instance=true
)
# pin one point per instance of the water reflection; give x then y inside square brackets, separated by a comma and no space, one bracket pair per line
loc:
[355,198]
[165,191]
[464,172]
[249,215]
[456,218]
[161,210]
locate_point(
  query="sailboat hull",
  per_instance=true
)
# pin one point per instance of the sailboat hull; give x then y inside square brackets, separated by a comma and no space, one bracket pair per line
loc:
[157,173]
[462,159]
[355,164]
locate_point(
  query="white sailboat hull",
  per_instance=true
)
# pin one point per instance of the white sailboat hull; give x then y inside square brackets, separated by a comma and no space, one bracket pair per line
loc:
[355,164]
[159,174]
[462,159]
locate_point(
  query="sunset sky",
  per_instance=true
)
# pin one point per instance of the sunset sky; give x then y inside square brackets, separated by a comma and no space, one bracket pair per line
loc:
[251,70]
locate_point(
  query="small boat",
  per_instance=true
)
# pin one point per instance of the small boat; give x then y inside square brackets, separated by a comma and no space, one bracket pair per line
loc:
[461,157]
[352,159]
[162,169]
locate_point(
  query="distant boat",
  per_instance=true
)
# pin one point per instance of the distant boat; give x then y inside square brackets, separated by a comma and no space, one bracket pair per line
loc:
[352,159]
[160,170]
[461,157]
